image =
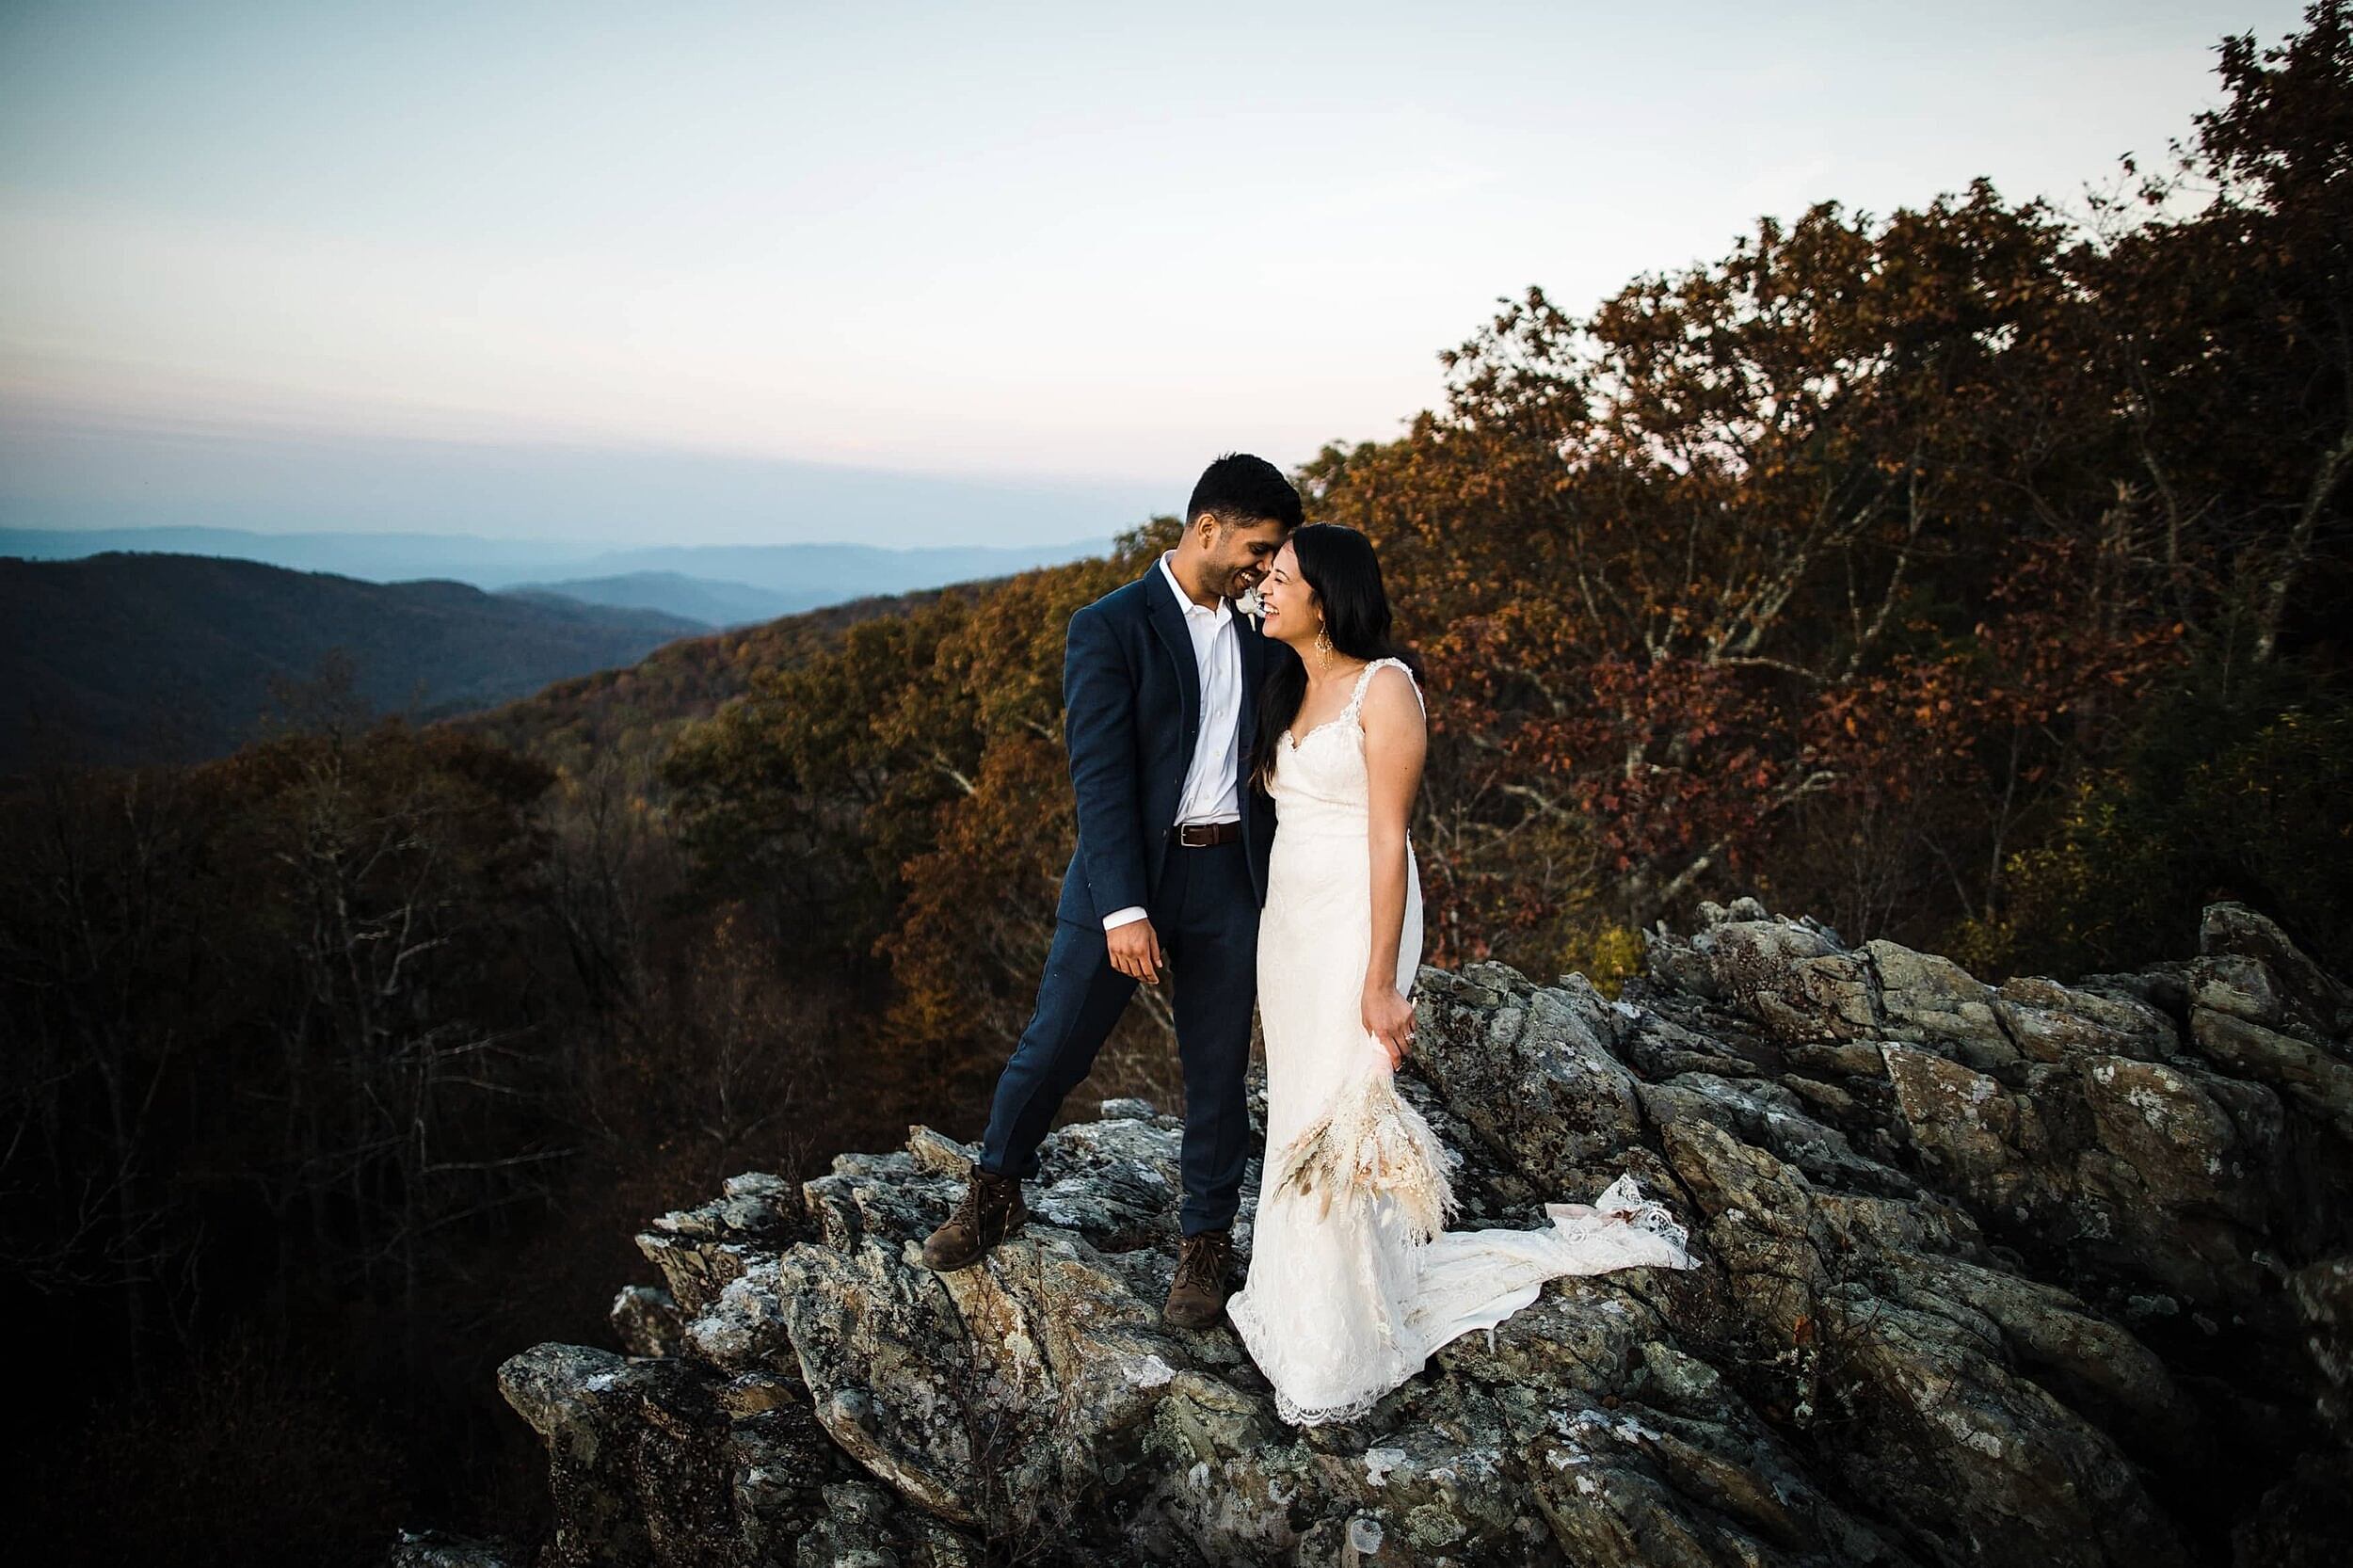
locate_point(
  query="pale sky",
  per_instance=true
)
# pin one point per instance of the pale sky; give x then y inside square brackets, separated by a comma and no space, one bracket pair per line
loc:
[1073,250]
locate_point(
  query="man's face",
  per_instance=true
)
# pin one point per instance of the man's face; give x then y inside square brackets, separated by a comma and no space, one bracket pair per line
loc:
[1241,553]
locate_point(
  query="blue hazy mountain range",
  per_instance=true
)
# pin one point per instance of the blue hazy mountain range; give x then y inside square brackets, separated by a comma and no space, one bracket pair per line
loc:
[716,585]
[706,599]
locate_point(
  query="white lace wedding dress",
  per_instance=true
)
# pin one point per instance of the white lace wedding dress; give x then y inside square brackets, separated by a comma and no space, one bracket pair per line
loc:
[1353,1283]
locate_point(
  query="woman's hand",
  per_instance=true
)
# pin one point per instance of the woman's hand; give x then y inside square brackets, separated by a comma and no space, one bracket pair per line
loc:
[1389,1019]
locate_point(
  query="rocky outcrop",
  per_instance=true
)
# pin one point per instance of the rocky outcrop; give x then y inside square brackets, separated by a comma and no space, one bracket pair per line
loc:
[2027,1274]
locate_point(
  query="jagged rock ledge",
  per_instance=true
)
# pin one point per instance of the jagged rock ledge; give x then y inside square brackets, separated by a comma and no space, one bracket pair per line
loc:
[2041,1273]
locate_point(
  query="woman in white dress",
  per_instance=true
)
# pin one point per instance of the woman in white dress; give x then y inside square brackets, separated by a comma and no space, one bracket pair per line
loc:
[1353,1280]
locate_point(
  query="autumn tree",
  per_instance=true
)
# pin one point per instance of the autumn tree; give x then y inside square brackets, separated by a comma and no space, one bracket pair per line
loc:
[1734,561]
[2232,336]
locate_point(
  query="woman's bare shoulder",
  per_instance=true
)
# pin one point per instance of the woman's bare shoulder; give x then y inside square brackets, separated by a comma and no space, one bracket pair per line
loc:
[1392,688]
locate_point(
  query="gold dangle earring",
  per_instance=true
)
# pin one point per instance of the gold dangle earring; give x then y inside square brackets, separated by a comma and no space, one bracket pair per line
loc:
[1324,649]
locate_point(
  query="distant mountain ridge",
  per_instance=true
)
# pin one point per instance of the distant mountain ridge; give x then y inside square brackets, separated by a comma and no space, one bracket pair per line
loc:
[715,603]
[805,575]
[372,557]
[845,571]
[122,658]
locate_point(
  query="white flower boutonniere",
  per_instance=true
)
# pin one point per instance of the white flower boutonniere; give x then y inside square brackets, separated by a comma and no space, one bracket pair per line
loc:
[1247,603]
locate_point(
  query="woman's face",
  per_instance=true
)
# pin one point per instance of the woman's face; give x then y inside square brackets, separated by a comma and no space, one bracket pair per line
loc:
[1292,615]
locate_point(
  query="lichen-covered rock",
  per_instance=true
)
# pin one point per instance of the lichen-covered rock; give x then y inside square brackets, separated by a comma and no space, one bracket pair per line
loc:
[646,1322]
[700,1249]
[2309,1001]
[444,1550]
[2323,1296]
[2313,1075]
[1535,1075]
[635,1476]
[2051,1022]
[2049,1274]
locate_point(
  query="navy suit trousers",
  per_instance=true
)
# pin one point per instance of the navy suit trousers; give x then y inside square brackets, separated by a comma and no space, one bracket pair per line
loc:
[1206,915]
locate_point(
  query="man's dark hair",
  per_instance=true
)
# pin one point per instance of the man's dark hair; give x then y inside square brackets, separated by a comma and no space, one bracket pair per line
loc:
[1242,489]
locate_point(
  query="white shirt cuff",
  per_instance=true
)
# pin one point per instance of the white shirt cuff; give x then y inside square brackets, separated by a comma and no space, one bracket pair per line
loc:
[1118,918]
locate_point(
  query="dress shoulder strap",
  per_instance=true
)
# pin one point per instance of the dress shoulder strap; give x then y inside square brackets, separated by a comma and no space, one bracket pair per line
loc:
[1364,679]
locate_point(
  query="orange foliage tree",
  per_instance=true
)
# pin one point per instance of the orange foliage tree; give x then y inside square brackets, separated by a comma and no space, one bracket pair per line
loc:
[1753,554]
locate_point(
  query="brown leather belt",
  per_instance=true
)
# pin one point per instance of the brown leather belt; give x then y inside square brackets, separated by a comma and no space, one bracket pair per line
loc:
[1201,835]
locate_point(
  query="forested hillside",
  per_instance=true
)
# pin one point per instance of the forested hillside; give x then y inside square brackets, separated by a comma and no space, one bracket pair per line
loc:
[1964,576]
[631,715]
[171,658]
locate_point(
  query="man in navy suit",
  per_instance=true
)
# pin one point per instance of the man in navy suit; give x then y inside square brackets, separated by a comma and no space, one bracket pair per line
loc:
[1159,706]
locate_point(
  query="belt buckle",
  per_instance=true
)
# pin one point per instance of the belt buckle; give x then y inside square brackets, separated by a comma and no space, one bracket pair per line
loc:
[1185,832]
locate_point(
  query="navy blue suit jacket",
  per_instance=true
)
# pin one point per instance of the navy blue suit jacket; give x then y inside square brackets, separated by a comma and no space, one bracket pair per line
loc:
[1131,709]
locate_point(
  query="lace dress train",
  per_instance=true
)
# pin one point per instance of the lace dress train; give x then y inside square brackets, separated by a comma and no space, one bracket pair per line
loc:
[1354,1281]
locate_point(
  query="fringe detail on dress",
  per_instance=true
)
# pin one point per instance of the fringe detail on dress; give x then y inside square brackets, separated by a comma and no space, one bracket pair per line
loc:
[1370,1140]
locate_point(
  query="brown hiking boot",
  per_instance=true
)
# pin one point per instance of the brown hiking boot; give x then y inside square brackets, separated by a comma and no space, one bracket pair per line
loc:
[1198,1294]
[990,1211]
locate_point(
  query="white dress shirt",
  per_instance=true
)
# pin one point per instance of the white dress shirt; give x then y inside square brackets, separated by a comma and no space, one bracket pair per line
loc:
[1209,794]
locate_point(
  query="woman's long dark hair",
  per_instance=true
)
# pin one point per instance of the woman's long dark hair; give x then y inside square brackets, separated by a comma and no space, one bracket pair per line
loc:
[1338,564]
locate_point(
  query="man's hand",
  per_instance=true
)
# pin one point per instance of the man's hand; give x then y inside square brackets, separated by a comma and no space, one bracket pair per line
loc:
[1136,949]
